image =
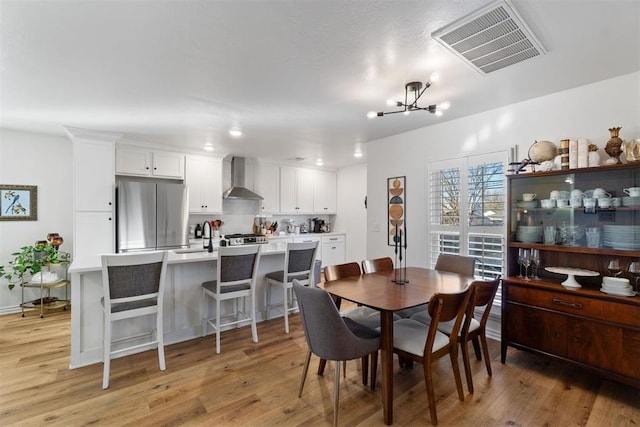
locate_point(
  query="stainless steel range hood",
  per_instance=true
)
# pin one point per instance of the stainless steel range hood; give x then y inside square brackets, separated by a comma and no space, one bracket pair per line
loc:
[238,189]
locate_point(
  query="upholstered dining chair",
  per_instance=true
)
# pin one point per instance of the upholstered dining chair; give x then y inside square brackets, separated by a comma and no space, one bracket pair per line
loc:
[235,280]
[298,264]
[331,336]
[472,329]
[451,263]
[363,315]
[133,286]
[415,341]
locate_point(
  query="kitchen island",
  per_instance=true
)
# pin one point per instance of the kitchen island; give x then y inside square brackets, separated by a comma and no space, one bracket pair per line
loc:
[183,294]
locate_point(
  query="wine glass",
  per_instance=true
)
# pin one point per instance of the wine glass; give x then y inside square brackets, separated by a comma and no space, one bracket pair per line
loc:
[614,268]
[634,270]
[535,260]
[526,262]
[520,256]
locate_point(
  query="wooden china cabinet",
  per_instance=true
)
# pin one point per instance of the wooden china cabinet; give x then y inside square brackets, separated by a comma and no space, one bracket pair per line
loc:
[581,326]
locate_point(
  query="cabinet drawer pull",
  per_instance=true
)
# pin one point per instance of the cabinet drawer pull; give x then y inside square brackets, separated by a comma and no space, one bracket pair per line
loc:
[566,303]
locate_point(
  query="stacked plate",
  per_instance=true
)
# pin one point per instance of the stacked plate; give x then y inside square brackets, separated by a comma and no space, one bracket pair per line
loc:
[631,201]
[626,237]
[617,286]
[529,233]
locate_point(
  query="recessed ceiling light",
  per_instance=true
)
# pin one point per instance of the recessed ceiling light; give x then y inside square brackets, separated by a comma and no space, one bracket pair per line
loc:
[357,154]
[208,147]
[319,162]
[235,132]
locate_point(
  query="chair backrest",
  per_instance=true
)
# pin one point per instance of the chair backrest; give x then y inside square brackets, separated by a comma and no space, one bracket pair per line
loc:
[378,264]
[338,271]
[299,260]
[483,294]
[445,308]
[464,265]
[327,335]
[133,277]
[237,265]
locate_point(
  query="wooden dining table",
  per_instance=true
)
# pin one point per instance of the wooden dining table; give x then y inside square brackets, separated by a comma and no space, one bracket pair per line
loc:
[380,292]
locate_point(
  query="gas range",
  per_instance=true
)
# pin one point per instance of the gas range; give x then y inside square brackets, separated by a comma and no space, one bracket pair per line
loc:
[242,239]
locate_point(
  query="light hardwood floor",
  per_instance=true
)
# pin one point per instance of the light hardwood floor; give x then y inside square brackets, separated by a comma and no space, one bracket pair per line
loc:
[256,385]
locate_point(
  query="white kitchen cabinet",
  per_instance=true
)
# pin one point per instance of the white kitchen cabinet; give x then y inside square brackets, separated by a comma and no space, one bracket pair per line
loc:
[203,176]
[139,161]
[268,186]
[333,250]
[296,190]
[309,239]
[324,192]
[93,195]
[93,233]
[93,175]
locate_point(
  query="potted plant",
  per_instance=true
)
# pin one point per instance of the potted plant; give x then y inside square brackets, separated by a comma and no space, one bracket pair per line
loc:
[30,260]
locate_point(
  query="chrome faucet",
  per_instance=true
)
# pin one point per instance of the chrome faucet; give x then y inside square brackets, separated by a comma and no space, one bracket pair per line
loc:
[207,238]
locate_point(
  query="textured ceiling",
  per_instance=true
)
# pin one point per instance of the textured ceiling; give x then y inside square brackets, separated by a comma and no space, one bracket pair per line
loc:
[298,77]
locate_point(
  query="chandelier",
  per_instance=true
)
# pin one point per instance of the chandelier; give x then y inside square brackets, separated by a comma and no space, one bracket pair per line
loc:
[412,93]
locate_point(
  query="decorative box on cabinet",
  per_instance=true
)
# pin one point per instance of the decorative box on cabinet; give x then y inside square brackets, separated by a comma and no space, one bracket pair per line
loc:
[584,327]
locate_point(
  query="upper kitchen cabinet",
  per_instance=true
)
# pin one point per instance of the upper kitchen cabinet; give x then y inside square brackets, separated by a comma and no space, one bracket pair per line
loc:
[139,161]
[203,176]
[296,190]
[93,175]
[324,192]
[268,186]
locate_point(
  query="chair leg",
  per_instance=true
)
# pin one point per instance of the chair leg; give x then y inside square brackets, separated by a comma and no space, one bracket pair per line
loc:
[374,369]
[485,350]
[467,364]
[205,312]
[254,328]
[106,354]
[365,370]
[160,339]
[430,396]
[456,372]
[321,366]
[268,304]
[476,348]
[286,311]
[217,326]
[305,369]
[336,394]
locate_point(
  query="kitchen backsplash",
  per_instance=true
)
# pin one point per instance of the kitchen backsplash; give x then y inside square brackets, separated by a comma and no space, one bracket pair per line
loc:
[238,216]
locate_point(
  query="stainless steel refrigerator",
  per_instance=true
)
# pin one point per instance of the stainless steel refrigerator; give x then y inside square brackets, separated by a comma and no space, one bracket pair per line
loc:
[151,216]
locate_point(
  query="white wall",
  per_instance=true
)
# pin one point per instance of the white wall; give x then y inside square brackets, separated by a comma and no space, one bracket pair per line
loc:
[351,215]
[44,161]
[585,112]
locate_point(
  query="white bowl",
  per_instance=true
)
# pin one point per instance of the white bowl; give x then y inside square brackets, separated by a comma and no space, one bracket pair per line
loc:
[615,282]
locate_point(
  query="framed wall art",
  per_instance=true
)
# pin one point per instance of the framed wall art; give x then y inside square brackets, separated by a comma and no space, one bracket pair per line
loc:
[397,203]
[18,202]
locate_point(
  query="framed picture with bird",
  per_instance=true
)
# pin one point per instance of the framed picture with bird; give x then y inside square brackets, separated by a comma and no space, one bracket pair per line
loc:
[18,202]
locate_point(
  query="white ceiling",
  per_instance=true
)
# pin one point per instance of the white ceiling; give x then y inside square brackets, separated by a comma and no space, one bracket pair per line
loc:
[298,77]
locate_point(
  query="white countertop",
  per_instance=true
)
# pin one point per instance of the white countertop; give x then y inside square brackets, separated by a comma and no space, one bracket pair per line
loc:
[88,264]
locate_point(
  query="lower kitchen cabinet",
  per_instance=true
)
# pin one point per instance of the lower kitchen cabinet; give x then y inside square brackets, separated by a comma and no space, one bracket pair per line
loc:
[333,250]
[583,327]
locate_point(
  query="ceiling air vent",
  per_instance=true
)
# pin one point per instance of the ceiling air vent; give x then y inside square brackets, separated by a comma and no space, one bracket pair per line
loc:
[491,38]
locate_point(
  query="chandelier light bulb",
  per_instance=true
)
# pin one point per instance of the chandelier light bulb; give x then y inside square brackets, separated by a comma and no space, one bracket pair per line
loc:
[371,114]
[439,113]
[444,106]
[391,102]
[434,77]
[406,113]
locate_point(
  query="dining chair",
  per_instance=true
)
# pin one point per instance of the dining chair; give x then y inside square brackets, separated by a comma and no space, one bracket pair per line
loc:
[298,264]
[331,336]
[366,316]
[133,286]
[451,263]
[378,264]
[235,280]
[415,341]
[472,329]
